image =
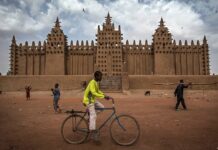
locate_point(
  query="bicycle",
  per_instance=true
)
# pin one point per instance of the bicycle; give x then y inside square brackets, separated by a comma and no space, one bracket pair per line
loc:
[124,129]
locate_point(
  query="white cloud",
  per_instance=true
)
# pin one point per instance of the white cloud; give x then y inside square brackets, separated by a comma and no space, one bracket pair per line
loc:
[17,20]
[72,30]
[72,6]
[33,6]
[138,21]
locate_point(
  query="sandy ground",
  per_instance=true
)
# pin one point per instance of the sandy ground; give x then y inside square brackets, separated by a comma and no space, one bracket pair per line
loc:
[33,125]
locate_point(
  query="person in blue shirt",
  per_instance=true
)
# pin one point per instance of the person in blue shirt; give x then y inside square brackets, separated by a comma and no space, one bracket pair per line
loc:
[56,93]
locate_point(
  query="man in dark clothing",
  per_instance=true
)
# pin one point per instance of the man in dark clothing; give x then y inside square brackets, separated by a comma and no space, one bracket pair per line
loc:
[179,93]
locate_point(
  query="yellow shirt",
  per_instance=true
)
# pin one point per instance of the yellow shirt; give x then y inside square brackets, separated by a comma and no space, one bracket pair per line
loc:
[92,91]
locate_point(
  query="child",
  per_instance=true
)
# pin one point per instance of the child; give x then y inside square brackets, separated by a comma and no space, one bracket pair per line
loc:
[89,100]
[56,94]
[28,89]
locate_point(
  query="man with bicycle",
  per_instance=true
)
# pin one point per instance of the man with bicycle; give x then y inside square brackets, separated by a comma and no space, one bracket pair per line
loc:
[92,92]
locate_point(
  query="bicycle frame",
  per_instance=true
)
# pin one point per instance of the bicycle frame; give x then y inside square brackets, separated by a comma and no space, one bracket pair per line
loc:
[118,126]
[112,114]
[105,122]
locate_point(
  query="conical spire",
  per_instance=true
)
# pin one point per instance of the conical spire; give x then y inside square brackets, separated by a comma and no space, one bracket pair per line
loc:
[33,47]
[39,44]
[33,43]
[77,43]
[57,23]
[92,43]
[186,42]
[127,42]
[13,39]
[26,43]
[204,39]
[44,43]
[161,22]
[108,19]
[98,28]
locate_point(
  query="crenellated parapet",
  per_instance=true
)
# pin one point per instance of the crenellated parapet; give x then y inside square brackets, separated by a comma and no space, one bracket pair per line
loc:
[81,48]
[137,48]
[32,49]
[187,48]
[190,57]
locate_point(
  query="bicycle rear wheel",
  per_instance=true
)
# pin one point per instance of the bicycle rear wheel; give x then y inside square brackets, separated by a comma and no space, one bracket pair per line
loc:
[74,129]
[124,130]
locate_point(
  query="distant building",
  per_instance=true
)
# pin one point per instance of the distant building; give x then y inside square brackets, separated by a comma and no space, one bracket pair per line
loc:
[109,55]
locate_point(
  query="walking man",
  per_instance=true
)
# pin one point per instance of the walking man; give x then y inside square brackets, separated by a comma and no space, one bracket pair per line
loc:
[179,94]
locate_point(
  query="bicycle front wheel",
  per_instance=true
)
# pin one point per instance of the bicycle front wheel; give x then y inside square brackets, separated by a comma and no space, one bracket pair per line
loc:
[74,129]
[124,130]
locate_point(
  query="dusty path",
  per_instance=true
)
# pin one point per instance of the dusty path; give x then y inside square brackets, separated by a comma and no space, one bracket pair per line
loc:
[32,125]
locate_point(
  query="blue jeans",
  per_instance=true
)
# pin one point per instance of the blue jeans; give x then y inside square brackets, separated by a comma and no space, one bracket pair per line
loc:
[55,102]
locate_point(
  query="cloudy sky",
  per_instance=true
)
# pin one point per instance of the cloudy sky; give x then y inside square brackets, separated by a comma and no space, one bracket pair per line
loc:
[32,20]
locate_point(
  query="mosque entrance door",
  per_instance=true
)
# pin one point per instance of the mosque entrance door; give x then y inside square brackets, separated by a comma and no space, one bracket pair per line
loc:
[111,83]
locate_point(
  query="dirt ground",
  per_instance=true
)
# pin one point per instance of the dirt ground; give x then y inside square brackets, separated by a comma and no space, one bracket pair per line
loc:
[33,125]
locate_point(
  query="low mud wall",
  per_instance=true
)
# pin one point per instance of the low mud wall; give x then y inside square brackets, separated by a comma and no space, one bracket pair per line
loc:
[42,83]
[72,82]
[199,82]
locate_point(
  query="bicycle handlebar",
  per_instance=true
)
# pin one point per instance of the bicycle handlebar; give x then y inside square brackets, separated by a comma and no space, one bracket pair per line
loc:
[112,99]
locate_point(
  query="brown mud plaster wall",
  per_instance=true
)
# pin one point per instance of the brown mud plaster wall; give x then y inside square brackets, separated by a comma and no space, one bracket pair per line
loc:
[169,82]
[42,83]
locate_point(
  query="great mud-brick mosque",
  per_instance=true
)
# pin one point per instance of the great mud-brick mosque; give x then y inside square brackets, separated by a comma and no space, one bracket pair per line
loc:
[110,55]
